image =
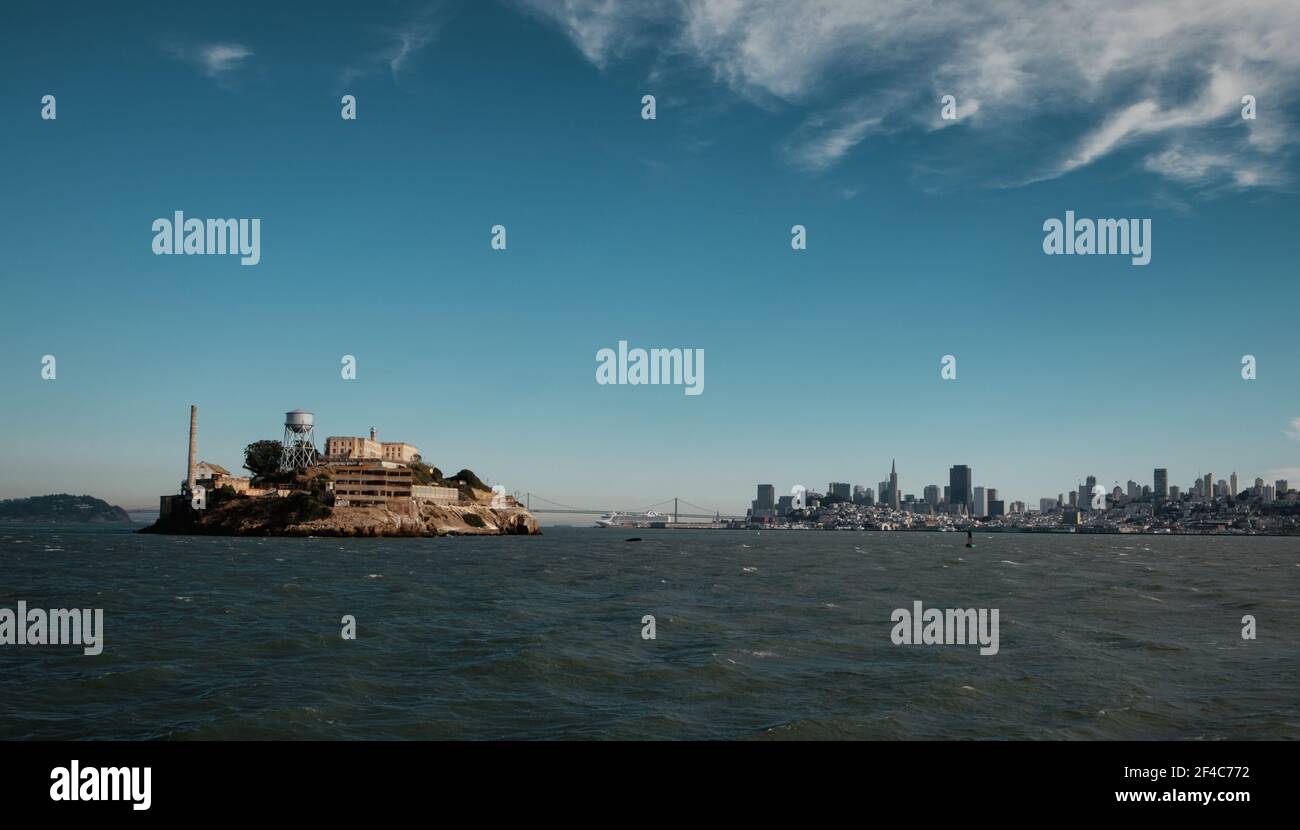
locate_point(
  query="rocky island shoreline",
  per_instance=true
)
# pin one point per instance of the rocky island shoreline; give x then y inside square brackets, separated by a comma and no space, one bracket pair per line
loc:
[301,515]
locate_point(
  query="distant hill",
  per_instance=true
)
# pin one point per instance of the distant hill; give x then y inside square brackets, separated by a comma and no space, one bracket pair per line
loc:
[61,508]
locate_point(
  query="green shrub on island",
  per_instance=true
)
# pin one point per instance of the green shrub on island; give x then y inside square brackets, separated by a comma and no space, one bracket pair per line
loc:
[262,458]
[302,506]
[473,520]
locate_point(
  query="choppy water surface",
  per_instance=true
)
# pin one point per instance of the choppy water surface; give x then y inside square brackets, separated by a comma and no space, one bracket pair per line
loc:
[778,634]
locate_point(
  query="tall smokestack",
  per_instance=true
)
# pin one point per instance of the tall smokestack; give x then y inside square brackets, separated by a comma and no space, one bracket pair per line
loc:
[194,429]
[374,434]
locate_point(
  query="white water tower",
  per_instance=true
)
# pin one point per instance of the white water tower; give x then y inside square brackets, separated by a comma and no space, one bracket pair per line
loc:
[299,441]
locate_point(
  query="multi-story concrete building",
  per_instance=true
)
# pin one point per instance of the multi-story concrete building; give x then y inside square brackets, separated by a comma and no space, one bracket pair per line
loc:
[397,451]
[383,484]
[344,448]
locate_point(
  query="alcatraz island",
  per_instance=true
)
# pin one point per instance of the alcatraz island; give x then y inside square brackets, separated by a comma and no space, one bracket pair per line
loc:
[357,487]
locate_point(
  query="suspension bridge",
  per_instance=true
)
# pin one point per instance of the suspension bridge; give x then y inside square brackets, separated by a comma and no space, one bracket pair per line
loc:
[545,505]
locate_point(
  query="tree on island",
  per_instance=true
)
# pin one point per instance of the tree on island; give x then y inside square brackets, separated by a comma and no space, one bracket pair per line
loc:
[262,458]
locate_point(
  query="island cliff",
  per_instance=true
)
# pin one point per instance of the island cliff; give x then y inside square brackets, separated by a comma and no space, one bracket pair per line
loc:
[257,517]
[304,513]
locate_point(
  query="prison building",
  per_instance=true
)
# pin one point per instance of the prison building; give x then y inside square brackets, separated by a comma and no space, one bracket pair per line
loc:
[372,485]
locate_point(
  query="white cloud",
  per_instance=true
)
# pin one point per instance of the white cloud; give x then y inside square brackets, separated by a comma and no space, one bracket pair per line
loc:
[1294,432]
[1110,72]
[215,60]
[823,142]
[221,58]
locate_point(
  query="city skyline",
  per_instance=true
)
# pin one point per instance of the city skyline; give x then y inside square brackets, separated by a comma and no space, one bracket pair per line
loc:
[960,474]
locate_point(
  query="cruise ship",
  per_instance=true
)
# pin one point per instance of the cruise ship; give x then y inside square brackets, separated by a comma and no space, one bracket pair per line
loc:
[646,519]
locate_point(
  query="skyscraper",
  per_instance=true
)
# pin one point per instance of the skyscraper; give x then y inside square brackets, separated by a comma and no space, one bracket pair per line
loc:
[1161,488]
[893,485]
[959,491]
[1232,484]
[979,504]
[1086,494]
[1208,487]
[840,489]
[931,494]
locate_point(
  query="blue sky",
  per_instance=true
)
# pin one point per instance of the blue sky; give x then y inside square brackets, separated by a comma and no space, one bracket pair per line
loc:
[924,239]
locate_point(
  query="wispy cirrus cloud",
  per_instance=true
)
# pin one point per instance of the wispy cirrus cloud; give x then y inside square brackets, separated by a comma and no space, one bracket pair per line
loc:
[214,60]
[1164,77]
[401,43]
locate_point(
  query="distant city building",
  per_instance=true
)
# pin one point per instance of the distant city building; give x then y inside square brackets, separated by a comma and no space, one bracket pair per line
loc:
[1048,505]
[1269,494]
[764,507]
[1017,508]
[979,504]
[841,489]
[1280,487]
[1175,493]
[1232,487]
[959,485]
[996,508]
[893,485]
[1161,488]
[783,505]
[931,494]
[1133,491]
